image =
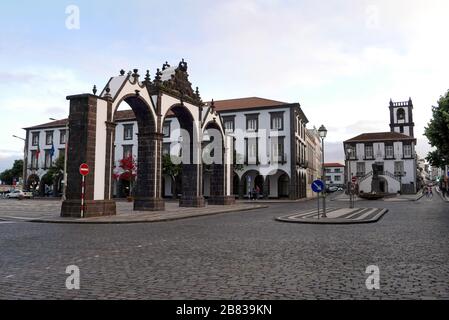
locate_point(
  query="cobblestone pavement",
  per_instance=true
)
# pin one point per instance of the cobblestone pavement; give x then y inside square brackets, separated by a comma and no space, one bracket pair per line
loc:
[244,255]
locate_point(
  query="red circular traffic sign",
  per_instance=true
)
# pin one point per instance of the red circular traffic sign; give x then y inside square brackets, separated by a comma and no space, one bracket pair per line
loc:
[354,179]
[84,169]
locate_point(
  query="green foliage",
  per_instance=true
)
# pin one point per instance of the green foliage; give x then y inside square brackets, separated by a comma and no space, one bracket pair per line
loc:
[15,172]
[238,162]
[169,168]
[437,131]
[57,168]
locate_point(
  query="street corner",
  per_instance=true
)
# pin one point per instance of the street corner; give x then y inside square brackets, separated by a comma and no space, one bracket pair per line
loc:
[336,216]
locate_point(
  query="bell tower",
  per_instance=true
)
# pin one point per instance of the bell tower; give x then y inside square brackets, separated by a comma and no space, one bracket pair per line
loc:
[401,117]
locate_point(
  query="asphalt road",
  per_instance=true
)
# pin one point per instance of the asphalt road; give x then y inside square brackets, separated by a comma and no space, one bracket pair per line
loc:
[243,255]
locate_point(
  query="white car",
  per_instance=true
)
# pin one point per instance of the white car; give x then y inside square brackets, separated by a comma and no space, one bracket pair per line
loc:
[19,194]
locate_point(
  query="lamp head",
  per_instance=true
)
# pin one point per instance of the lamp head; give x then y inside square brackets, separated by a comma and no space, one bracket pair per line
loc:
[322,131]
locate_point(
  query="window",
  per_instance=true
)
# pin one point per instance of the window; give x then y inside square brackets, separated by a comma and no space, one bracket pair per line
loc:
[389,152]
[48,159]
[127,151]
[277,150]
[34,160]
[400,114]
[228,123]
[62,136]
[127,132]
[337,170]
[369,154]
[329,179]
[252,122]
[35,139]
[251,150]
[277,120]
[166,129]
[166,148]
[407,150]
[401,129]
[337,178]
[327,170]
[351,152]
[48,137]
[398,168]
[360,169]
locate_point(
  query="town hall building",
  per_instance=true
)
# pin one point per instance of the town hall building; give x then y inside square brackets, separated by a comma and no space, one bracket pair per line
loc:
[385,162]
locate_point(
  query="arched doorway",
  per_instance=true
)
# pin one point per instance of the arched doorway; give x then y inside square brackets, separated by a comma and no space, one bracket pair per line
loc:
[283,185]
[33,183]
[383,185]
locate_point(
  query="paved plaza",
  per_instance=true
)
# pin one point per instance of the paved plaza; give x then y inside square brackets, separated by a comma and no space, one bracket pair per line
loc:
[239,255]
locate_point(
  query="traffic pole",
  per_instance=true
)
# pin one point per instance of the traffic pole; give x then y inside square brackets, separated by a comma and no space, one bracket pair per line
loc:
[318,198]
[82,195]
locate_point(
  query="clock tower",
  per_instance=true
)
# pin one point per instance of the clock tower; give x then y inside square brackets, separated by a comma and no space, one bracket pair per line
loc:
[401,117]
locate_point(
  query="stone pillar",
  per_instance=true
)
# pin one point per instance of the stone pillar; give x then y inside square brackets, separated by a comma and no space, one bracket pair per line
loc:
[87,144]
[242,187]
[148,193]
[266,187]
[192,188]
[218,182]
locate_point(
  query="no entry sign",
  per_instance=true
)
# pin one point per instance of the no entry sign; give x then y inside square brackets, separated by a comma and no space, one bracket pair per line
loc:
[84,169]
[354,179]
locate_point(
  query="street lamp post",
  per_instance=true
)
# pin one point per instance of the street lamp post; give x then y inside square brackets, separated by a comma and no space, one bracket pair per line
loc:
[25,155]
[323,132]
[349,184]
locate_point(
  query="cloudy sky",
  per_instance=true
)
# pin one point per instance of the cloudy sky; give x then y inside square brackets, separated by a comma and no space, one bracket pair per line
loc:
[342,60]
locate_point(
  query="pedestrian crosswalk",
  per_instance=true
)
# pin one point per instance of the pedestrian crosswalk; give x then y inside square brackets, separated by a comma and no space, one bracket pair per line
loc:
[336,215]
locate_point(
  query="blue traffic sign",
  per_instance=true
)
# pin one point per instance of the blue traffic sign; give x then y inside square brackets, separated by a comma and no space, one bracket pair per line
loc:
[318,186]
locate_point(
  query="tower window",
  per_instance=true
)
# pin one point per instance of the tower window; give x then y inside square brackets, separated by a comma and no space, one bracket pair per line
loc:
[400,114]
[401,129]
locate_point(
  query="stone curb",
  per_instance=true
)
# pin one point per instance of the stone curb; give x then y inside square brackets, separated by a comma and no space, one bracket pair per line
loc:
[143,220]
[332,221]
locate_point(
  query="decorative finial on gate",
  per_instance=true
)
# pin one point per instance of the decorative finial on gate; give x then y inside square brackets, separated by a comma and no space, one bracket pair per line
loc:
[197,93]
[165,66]
[136,74]
[157,78]
[122,72]
[147,77]
[107,95]
[94,90]
[212,105]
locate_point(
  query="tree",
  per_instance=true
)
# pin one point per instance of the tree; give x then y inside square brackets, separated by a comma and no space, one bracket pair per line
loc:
[437,131]
[171,169]
[127,171]
[9,175]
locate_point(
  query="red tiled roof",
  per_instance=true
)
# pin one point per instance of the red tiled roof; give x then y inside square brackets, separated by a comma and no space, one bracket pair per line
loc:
[245,103]
[333,164]
[380,136]
[121,115]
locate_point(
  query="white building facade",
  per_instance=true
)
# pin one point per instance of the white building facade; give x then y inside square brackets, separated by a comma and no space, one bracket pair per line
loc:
[335,174]
[270,151]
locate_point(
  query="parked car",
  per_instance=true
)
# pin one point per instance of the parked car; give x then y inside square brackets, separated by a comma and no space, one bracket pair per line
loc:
[339,189]
[332,189]
[19,194]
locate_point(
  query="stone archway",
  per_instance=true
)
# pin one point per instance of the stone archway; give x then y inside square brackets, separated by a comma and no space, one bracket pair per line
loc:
[92,136]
